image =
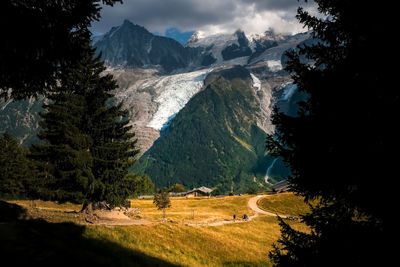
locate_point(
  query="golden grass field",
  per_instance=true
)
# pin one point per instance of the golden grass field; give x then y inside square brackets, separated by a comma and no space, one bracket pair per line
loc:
[173,241]
[285,204]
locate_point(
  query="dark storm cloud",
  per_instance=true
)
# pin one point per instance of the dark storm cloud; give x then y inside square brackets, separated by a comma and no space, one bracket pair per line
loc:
[157,15]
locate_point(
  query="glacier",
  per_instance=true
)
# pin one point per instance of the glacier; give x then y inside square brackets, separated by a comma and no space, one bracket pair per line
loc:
[178,90]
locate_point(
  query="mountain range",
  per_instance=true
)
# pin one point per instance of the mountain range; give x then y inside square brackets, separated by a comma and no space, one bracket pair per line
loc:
[201,111]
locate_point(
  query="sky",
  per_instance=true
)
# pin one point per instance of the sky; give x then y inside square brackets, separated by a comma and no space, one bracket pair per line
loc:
[208,16]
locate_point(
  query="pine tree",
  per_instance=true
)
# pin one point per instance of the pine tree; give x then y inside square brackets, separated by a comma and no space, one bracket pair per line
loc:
[42,38]
[113,148]
[88,147]
[335,146]
[16,177]
[66,150]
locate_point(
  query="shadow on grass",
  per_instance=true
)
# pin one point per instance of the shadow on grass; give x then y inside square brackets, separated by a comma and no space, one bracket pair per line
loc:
[37,242]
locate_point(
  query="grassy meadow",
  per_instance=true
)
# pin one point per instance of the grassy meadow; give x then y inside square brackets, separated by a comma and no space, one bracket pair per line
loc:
[156,242]
[197,210]
[285,204]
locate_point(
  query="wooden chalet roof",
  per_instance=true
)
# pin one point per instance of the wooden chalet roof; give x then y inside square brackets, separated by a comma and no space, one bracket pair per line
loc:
[203,189]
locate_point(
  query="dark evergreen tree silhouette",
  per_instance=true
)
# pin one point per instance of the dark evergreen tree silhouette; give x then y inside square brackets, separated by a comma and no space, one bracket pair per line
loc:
[66,151]
[88,147]
[39,39]
[16,176]
[336,145]
[113,148]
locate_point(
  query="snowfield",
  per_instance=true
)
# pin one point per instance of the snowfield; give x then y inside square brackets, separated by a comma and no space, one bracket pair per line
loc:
[274,65]
[256,82]
[216,43]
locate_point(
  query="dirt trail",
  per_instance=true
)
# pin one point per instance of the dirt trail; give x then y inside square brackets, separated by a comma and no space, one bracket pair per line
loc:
[252,204]
[113,218]
[219,223]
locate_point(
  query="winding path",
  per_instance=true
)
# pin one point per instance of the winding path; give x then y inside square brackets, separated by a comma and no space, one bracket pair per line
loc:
[252,203]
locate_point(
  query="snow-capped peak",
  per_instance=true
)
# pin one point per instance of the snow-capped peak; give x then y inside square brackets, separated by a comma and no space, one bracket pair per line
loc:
[195,37]
[219,39]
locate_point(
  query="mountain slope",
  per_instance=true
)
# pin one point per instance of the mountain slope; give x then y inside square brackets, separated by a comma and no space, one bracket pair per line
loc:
[131,45]
[21,119]
[214,140]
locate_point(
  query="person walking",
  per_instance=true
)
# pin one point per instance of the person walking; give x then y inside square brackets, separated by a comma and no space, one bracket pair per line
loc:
[234,217]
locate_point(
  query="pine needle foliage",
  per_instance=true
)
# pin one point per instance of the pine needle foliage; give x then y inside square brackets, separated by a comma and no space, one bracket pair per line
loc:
[16,175]
[43,38]
[88,144]
[335,146]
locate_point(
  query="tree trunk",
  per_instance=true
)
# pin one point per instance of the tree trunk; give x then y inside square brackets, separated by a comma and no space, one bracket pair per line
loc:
[33,204]
[87,211]
[87,208]
[163,213]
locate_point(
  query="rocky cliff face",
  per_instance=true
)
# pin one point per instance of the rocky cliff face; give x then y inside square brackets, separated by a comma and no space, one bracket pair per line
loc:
[131,46]
[21,119]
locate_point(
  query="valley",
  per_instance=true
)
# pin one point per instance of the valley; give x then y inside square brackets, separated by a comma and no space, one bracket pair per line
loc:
[214,94]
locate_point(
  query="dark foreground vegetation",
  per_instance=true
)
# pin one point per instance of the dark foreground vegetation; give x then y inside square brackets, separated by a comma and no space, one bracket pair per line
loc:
[25,241]
[334,153]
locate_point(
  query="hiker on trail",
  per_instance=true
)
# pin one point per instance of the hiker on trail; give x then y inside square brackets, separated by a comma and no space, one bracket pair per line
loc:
[234,217]
[245,218]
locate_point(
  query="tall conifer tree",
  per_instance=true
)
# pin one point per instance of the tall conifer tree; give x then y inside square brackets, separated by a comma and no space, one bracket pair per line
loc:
[336,145]
[88,147]
[113,148]
[66,149]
